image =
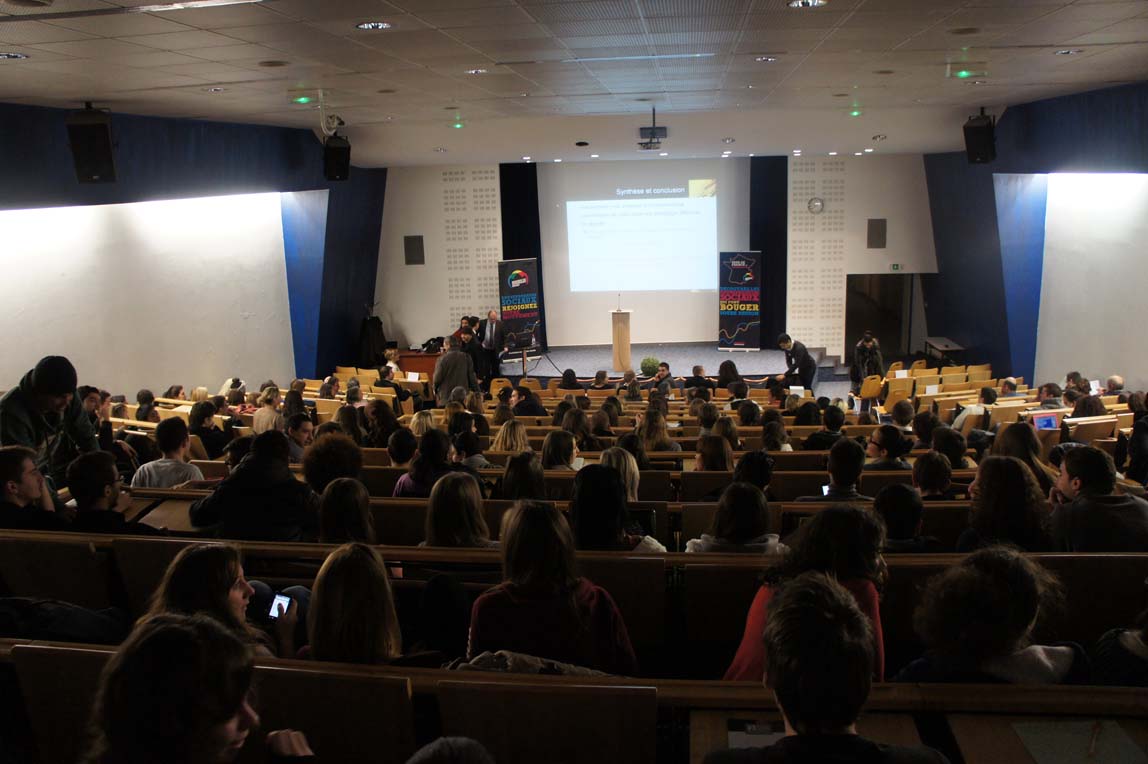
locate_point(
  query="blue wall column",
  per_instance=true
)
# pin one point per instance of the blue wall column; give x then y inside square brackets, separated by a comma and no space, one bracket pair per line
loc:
[304,241]
[1021,201]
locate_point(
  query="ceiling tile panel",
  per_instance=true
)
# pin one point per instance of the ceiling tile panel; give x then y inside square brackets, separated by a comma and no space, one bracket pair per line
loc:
[183,40]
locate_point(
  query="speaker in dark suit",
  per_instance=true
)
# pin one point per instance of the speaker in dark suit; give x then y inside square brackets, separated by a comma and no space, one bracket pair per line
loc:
[492,340]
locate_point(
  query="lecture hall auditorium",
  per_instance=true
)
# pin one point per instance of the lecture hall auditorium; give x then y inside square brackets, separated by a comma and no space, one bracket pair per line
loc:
[582,381]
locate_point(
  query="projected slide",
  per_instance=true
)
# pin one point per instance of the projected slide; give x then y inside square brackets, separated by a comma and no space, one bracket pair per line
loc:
[645,239]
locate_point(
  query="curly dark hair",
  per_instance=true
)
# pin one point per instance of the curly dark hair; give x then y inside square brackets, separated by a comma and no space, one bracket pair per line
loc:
[1008,505]
[844,541]
[331,456]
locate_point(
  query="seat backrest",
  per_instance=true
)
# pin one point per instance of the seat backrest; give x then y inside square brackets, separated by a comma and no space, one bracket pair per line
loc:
[212,469]
[787,486]
[352,370]
[400,523]
[654,485]
[530,383]
[638,588]
[380,481]
[895,366]
[59,685]
[871,386]
[918,364]
[141,563]
[529,723]
[72,571]
[696,486]
[717,598]
[696,520]
[953,370]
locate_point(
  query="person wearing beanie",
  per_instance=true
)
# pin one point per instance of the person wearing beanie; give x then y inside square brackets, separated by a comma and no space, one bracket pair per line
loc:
[44,408]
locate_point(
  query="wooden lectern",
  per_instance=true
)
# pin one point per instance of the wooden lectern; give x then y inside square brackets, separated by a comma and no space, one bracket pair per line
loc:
[621,323]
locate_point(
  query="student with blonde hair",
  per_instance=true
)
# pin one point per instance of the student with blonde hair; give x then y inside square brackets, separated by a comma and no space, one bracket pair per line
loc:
[512,438]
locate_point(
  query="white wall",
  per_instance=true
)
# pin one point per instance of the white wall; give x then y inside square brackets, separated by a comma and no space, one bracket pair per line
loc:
[150,294]
[824,248]
[457,211]
[1092,307]
[583,318]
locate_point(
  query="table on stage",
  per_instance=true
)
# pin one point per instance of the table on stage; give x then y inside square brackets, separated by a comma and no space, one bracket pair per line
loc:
[416,360]
[939,347]
[709,729]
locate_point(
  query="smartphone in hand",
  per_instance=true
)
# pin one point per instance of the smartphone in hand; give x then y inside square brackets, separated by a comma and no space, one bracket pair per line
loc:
[279,606]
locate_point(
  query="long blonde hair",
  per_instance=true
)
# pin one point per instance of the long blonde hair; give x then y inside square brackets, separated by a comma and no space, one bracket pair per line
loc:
[627,466]
[654,432]
[352,617]
[198,394]
[422,422]
[269,396]
[512,437]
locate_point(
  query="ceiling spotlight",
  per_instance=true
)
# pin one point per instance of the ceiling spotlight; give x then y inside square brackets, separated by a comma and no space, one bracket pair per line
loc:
[1068,52]
[525,159]
[807,3]
[751,153]
[857,154]
[868,151]
[373,26]
[765,59]
[12,56]
[476,71]
[439,150]
[274,63]
[593,156]
[557,160]
[664,154]
[727,140]
[797,151]
[832,153]
[524,95]
[214,90]
[976,82]
[749,87]
[878,137]
[725,156]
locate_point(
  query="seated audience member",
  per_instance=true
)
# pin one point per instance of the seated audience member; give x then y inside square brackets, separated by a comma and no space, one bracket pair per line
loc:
[726,429]
[401,447]
[976,620]
[1088,515]
[662,381]
[628,378]
[1049,396]
[381,422]
[267,417]
[1008,388]
[354,396]
[819,648]
[475,407]
[459,423]
[577,424]
[707,418]
[1089,405]
[452,750]
[502,414]
[808,415]
[923,426]
[27,503]
[331,457]
[148,412]
[600,426]
[748,414]
[201,423]
[261,500]
[559,451]
[655,433]
[699,380]
[950,442]
[987,397]
[145,397]
[42,410]
[775,438]
[512,438]
[633,391]
[523,478]
[1074,379]
[293,404]
[738,394]
[387,379]
[560,411]
[633,443]
[1121,656]
[1022,443]
[887,444]
[348,418]
[454,514]
[1114,385]
[932,477]
[172,470]
[207,579]
[468,452]
[727,374]
[236,450]
[841,542]
[326,392]
[902,413]
[345,513]
[696,403]
[175,393]
[352,615]
[1137,449]
[431,462]
[422,422]
[846,462]
[755,468]
[299,433]
[598,514]
[792,403]
[903,511]
[180,689]
[523,402]
[94,483]
[542,607]
[823,440]
[570,381]
[1071,397]
[600,382]
[739,525]
[713,454]
[1008,508]
[623,461]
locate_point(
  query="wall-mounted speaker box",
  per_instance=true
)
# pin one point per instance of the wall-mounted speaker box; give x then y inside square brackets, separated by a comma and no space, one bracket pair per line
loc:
[336,158]
[980,139]
[90,136]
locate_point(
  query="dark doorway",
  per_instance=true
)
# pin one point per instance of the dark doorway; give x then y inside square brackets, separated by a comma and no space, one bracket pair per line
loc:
[881,304]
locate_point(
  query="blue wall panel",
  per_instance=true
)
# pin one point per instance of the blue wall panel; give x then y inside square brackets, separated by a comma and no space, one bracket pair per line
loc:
[1021,201]
[304,243]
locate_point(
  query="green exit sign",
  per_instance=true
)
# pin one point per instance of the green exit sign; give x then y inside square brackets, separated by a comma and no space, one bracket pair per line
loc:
[896,267]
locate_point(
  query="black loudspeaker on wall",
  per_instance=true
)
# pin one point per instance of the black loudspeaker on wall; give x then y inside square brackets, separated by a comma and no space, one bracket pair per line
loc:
[336,158]
[980,139]
[90,136]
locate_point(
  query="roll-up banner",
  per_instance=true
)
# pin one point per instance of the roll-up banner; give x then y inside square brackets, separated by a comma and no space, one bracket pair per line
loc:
[739,301]
[518,300]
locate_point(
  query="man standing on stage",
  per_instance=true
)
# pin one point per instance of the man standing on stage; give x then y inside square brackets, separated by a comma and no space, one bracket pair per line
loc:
[492,340]
[802,369]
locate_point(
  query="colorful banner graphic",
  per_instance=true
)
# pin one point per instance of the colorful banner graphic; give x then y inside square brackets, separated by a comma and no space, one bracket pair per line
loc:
[739,300]
[519,303]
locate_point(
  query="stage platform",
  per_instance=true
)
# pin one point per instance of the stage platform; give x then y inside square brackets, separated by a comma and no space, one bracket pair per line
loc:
[585,360]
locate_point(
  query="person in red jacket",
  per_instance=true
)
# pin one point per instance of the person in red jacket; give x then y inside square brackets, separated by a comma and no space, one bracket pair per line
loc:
[542,607]
[842,542]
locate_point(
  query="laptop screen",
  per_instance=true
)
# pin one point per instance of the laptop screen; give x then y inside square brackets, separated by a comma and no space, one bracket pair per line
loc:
[1045,422]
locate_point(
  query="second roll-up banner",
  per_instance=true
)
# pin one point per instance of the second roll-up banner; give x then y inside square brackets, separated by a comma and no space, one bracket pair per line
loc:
[519,302]
[739,301]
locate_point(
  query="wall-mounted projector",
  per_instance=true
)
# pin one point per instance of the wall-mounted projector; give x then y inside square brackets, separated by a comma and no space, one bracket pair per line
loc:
[653,135]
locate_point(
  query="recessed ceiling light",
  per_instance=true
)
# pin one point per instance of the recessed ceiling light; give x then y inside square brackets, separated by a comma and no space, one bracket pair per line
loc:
[373,26]
[727,140]
[524,95]
[749,87]
[214,90]
[1068,52]
[976,82]
[439,150]
[725,156]
[664,154]
[832,153]
[797,151]
[476,71]
[868,151]
[661,57]
[879,137]
[807,3]
[857,154]
[12,56]
[593,156]
[751,153]
[557,160]
[582,144]
[274,63]
[765,59]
